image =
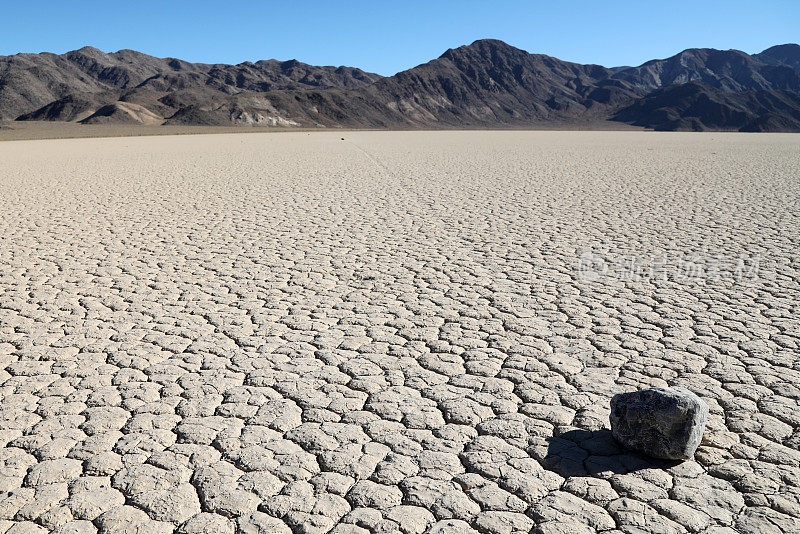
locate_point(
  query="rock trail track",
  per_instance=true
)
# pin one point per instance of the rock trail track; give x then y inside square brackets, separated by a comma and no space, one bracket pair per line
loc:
[294,333]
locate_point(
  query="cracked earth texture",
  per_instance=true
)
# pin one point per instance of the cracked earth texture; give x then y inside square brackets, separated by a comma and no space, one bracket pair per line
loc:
[286,333]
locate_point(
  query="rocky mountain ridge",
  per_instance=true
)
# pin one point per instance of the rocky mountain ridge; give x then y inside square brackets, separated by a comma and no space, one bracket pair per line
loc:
[486,84]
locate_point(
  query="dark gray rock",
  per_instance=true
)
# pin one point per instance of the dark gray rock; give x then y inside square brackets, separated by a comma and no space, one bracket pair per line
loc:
[665,423]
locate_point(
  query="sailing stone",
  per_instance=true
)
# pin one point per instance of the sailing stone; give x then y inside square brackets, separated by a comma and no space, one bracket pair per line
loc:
[664,423]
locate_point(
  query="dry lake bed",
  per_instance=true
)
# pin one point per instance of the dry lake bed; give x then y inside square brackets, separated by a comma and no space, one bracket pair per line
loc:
[395,332]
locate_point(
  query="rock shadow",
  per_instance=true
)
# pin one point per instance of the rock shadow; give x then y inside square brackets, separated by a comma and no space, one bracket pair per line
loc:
[595,452]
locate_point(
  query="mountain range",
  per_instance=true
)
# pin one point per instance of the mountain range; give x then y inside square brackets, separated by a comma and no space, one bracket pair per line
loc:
[488,84]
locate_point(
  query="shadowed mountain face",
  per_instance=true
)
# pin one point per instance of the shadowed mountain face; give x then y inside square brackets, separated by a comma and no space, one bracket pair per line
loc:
[698,106]
[787,55]
[486,84]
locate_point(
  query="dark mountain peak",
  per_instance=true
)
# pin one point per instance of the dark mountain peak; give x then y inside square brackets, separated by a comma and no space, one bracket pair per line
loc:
[484,48]
[493,44]
[701,55]
[691,53]
[490,42]
[88,52]
[501,57]
[292,64]
[126,54]
[792,48]
[711,51]
[731,70]
[785,55]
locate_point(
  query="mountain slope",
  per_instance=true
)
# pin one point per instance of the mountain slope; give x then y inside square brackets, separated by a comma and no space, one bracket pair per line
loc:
[490,82]
[787,55]
[698,106]
[123,113]
[75,106]
[730,70]
[29,82]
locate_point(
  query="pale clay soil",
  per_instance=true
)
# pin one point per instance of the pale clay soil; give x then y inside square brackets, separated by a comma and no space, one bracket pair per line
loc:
[391,333]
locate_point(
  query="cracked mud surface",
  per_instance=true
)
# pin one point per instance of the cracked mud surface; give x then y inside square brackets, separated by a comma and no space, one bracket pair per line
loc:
[390,333]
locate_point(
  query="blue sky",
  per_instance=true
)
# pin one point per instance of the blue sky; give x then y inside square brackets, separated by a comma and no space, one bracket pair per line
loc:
[386,37]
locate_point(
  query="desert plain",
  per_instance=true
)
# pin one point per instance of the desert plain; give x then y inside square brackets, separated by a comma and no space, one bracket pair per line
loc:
[395,332]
